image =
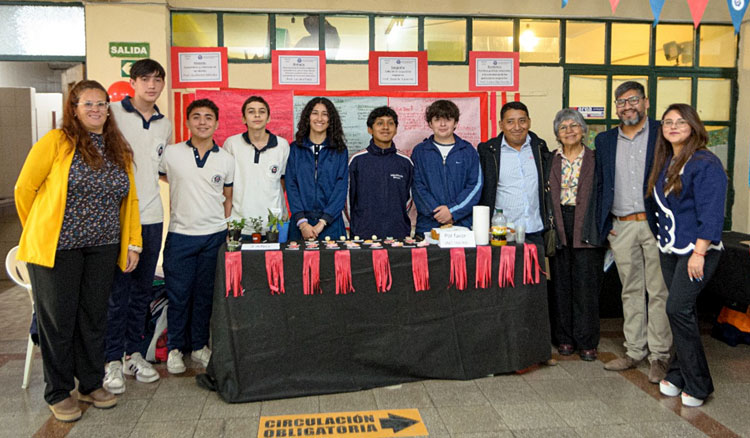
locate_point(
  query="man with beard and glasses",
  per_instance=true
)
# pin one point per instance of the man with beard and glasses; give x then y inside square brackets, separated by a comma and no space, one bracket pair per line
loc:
[628,221]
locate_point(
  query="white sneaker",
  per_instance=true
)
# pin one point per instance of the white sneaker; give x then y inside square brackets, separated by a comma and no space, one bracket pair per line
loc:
[137,366]
[202,356]
[175,364]
[114,381]
[668,388]
[690,401]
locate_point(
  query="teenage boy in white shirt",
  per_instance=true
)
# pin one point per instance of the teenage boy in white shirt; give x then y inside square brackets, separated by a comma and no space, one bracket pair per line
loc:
[200,176]
[259,164]
[148,132]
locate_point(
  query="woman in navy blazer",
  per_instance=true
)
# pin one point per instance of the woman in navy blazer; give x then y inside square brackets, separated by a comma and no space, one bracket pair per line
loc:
[689,185]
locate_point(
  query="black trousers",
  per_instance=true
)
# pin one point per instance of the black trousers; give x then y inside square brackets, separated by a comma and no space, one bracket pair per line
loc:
[71,308]
[577,276]
[689,368]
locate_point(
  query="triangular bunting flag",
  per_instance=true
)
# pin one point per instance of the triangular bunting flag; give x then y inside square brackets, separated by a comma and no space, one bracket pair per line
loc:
[656,6]
[564,3]
[697,8]
[613,4]
[737,10]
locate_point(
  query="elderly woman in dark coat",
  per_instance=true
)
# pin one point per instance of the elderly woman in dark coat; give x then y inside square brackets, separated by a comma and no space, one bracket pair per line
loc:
[577,263]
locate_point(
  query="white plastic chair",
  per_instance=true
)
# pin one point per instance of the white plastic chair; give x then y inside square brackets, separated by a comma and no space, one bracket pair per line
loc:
[18,272]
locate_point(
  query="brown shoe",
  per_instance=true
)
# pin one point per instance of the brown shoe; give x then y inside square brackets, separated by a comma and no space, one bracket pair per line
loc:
[66,410]
[621,364]
[657,371]
[101,398]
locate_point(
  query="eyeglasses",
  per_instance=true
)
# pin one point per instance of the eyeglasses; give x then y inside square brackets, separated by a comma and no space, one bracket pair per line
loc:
[571,127]
[91,105]
[679,123]
[633,100]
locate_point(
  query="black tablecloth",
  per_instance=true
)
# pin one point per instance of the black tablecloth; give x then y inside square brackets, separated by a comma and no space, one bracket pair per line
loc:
[731,280]
[278,346]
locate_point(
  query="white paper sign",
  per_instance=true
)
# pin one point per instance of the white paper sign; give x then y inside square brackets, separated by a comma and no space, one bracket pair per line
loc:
[494,72]
[299,70]
[200,67]
[260,246]
[457,238]
[591,112]
[398,71]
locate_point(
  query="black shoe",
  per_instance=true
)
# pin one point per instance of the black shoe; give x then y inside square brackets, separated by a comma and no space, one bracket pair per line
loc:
[565,349]
[588,355]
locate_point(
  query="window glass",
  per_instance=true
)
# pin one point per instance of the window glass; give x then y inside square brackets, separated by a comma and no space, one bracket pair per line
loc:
[589,92]
[246,36]
[445,39]
[540,41]
[396,33]
[718,142]
[492,35]
[714,98]
[593,131]
[64,31]
[617,81]
[671,90]
[584,42]
[630,43]
[718,46]
[348,38]
[194,30]
[674,45]
[298,32]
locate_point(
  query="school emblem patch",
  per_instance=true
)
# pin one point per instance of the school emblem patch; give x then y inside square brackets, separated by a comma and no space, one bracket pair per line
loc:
[274,169]
[216,179]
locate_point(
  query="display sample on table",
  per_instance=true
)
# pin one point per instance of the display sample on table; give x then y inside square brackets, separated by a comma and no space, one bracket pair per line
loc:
[287,345]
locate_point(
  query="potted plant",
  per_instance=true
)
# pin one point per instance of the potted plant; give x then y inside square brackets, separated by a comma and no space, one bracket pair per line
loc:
[275,222]
[256,223]
[235,233]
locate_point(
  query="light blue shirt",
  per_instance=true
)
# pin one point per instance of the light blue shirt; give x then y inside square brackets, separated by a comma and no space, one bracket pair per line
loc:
[518,186]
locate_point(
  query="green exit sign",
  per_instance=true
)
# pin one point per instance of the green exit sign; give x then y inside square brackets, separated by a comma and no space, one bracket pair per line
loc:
[129,50]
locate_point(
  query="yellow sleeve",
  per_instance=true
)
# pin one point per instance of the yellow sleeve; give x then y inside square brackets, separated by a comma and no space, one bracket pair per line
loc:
[135,237]
[35,170]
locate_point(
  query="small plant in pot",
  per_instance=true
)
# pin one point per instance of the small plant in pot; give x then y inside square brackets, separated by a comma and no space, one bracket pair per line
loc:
[274,224]
[256,223]
[235,233]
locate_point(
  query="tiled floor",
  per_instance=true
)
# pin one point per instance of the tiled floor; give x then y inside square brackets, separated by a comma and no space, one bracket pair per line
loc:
[572,399]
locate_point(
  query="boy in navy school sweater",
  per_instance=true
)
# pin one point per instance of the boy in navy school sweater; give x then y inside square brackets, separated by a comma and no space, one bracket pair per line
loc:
[380,181]
[447,176]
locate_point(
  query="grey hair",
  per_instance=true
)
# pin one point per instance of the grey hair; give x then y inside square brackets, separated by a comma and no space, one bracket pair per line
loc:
[570,114]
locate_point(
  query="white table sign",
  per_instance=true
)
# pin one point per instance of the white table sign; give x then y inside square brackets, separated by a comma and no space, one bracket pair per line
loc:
[398,71]
[299,70]
[200,67]
[494,72]
[260,246]
[457,238]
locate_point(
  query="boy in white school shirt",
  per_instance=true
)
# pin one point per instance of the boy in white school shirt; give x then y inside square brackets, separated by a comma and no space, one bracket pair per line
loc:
[200,177]
[259,164]
[148,132]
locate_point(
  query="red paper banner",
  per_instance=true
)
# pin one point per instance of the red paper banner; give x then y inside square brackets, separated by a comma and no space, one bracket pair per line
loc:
[185,64]
[376,81]
[697,8]
[279,57]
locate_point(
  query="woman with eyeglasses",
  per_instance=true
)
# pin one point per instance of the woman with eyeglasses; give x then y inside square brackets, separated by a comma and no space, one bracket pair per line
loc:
[78,206]
[689,185]
[577,263]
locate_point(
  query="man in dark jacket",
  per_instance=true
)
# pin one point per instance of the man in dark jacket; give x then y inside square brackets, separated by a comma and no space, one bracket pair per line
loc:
[380,181]
[513,165]
[627,219]
[447,177]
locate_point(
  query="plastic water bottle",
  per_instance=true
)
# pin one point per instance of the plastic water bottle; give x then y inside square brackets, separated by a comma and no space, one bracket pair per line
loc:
[498,229]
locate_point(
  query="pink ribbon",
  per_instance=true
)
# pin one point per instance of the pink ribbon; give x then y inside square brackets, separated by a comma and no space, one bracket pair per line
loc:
[484,267]
[342,261]
[458,268]
[507,266]
[382,268]
[531,266]
[420,269]
[311,273]
[233,268]
[275,271]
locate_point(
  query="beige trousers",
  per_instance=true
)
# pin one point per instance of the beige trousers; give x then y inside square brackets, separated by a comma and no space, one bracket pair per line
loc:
[645,326]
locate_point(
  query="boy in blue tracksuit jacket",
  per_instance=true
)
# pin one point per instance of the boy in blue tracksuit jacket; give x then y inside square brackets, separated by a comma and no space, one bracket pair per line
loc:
[447,175]
[380,180]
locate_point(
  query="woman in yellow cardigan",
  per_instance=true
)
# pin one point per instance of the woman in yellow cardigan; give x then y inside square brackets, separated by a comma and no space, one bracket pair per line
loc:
[78,206]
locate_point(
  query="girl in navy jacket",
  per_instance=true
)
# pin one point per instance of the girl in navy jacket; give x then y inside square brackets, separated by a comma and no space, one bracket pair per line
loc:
[317,173]
[689,185]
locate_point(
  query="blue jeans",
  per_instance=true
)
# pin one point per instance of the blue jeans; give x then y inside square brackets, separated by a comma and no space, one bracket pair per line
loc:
[131,297]
[189,271]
